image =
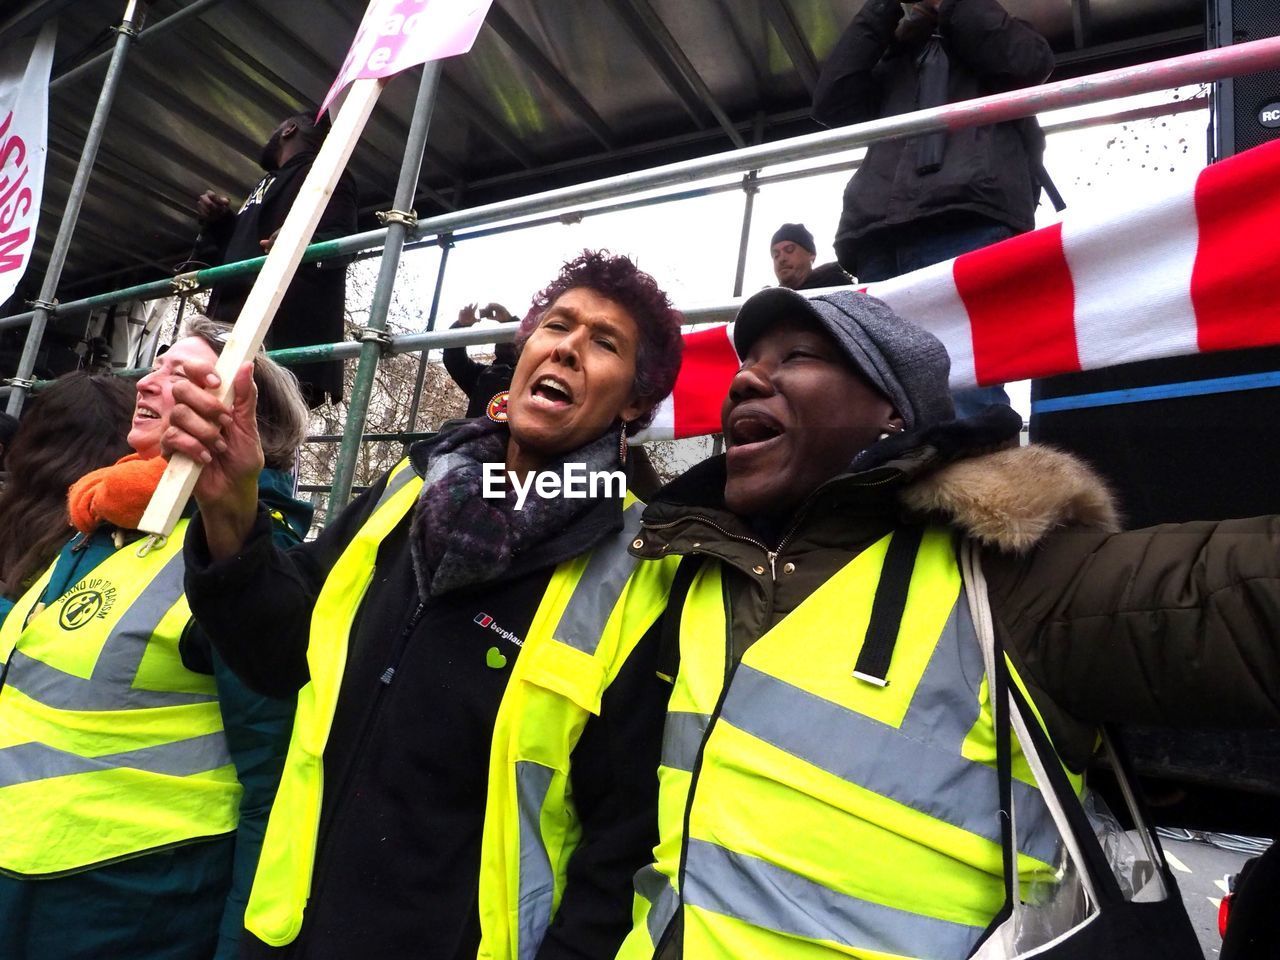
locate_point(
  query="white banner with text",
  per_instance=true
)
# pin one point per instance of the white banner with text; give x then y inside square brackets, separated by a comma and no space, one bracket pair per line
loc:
[24,123]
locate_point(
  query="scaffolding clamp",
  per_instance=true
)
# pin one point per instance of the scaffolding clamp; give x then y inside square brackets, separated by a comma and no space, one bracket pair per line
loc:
[373,335]
[22,383]
[49,306]
[185,283]
[408,218]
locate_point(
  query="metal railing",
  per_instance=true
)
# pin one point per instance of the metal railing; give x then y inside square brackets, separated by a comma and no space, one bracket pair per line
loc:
[550,206]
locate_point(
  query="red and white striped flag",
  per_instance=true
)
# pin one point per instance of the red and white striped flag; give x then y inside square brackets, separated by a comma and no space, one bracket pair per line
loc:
[1190,272]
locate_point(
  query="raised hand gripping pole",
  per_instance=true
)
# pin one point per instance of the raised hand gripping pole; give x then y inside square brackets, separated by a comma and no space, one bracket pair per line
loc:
[179,480]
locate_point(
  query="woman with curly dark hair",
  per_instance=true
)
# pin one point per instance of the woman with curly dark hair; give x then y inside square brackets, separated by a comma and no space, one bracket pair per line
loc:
[77,424]
[478,725]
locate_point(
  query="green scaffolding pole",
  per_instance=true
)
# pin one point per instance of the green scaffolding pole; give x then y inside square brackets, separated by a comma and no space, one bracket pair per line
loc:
[373,337]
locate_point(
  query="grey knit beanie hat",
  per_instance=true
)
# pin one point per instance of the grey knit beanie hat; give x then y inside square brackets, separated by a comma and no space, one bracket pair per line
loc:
[797,233]
[904,362]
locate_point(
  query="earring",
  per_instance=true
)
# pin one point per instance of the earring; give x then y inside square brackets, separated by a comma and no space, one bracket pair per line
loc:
[622,444]
[497,408]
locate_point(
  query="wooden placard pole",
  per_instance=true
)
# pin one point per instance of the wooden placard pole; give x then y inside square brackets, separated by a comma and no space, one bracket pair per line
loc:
[179,480]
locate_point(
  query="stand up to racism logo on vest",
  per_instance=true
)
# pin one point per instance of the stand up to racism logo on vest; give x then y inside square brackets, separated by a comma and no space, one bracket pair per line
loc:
[91,598]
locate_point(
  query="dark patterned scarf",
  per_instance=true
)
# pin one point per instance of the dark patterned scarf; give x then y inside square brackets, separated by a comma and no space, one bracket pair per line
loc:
[459,538]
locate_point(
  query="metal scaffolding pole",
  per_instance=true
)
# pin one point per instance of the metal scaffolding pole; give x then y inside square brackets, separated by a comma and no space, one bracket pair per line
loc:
[750,188]
[445,246]
[22,381]
[359,244]
[1255,56]
[150,33]
[373,336]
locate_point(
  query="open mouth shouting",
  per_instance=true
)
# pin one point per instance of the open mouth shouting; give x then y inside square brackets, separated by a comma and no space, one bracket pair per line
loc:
[751,431]
[551,393]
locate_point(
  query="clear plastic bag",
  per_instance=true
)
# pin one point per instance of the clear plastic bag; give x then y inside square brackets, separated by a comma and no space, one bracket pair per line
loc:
[1056,903]
[1110,895]
[1130,861]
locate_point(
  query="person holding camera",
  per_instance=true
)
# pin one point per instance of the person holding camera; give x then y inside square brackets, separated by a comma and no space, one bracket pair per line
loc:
[926,199]
[481,382]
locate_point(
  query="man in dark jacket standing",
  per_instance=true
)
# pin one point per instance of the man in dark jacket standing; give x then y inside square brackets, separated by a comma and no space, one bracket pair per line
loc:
[920,201]
[312,309]
[793,252]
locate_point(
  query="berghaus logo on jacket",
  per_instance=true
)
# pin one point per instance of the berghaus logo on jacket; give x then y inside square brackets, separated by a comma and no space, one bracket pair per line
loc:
[488,623]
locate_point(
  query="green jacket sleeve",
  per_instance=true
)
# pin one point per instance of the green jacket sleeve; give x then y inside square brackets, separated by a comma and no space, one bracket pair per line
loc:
[258,730]
[1176,625]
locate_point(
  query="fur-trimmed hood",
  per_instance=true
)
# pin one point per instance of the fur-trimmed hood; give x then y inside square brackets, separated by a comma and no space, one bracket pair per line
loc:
[1011,498]
[971,474]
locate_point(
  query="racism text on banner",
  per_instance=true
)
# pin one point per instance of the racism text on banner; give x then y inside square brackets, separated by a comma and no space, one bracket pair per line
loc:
[24,122]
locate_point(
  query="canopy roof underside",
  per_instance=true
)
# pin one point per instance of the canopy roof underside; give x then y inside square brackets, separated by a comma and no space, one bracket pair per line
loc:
[554,92]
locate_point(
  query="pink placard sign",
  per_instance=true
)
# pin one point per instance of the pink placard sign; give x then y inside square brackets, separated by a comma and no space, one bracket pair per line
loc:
[397,34]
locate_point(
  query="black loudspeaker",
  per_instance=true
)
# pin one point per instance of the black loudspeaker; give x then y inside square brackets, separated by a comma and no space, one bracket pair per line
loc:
[1246,110]
[1192,438]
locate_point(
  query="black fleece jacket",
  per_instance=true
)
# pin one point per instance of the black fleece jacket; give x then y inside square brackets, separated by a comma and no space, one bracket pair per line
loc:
[479,381]
[398,853]
[826,275]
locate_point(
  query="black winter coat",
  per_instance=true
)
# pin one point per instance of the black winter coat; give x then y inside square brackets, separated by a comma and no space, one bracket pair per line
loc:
[312,308]
[406,764]
[1176,625]
[985,170]
[479,381]
[826,275]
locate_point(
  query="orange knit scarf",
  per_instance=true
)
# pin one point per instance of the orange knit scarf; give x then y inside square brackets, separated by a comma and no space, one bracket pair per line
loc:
[117,494]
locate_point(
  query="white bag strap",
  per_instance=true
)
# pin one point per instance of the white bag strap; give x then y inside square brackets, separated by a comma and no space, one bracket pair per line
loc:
[980,609]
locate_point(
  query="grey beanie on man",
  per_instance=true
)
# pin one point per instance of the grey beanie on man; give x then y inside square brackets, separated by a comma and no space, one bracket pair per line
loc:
[906,363]
[797,233]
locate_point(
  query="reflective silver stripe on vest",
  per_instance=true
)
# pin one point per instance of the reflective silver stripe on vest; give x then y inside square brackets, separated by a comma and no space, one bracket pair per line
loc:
[26,762]
[760,893]
[681,738]
[919,764]
[397,483]
[602,581]
[663,900]
[110,686]
[64,691]
[537,882]
[581,624]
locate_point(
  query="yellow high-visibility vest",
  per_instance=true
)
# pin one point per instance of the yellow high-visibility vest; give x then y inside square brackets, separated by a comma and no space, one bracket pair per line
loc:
[828,816]
[589,620]
[109,746]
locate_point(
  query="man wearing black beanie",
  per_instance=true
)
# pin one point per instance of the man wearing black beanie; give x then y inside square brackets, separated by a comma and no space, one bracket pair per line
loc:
[793,252]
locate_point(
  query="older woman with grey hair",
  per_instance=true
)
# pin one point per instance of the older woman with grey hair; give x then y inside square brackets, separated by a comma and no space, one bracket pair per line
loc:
[136,771]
